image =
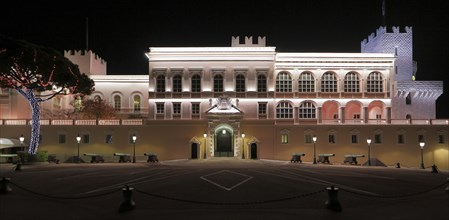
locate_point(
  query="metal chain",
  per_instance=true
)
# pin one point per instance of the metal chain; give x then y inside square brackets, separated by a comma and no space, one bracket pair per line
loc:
[62,197]
[394,196]
[231,203]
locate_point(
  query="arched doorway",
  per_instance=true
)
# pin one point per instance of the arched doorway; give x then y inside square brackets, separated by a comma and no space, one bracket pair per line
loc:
[253,148]
[194,151]
[224,142]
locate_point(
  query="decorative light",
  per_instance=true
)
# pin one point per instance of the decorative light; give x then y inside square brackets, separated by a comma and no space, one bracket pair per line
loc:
[421,144]
[243,135]
[205,135]
[78,139]
[368,140]
[21,138]
[314,139]
[134,138]
[224,131]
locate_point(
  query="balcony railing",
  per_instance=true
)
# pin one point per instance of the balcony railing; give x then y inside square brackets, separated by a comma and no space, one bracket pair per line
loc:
[49,122]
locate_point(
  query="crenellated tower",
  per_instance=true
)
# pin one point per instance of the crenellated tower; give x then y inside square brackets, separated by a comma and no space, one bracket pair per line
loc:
[87,61]
[412,99]
[398,43]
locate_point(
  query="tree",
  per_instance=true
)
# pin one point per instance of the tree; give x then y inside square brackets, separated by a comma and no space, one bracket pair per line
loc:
[39,73]
[96,109]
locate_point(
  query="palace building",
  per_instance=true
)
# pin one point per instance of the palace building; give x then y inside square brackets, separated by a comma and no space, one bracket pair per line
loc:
[250,101]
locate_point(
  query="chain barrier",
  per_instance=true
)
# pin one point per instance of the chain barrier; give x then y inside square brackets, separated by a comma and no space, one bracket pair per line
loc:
[231,203]
[394,196]
[63,197]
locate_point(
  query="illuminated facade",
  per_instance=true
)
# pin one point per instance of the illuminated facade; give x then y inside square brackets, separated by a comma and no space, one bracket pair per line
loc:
[197,102]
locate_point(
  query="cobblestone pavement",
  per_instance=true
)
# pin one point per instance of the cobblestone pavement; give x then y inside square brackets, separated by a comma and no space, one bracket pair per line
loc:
[222,188]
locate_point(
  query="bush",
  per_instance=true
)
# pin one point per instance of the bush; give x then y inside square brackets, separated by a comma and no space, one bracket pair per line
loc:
[40,156]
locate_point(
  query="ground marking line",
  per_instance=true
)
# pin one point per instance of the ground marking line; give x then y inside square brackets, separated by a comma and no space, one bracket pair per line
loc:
[131,182]
[317,181]
[226,188]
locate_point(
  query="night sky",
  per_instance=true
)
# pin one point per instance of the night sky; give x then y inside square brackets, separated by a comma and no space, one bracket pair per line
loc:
[121,32]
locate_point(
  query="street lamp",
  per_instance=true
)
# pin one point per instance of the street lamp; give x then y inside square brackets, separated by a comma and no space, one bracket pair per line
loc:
[134,143]
[368,140]
[421,144]
[78,140]
[21,138]
[205,136]
[314,149]
[243,146]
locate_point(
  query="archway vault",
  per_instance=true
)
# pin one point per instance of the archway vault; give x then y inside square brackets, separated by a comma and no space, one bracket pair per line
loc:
[232,127]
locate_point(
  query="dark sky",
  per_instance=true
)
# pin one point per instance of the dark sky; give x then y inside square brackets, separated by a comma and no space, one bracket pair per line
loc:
[122,31]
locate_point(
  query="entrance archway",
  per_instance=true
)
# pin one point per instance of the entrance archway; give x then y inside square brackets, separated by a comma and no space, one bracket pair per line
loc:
[253,148]
[194,151]
[224,140]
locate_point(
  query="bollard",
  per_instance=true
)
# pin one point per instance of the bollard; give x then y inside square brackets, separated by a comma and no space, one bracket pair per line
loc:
[447,188]
[332,203]
[434,169]
[398,165]
[4,188]
[128,203]
[18,166]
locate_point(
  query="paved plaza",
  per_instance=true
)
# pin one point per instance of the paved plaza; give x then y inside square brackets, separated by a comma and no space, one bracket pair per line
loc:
[222,188]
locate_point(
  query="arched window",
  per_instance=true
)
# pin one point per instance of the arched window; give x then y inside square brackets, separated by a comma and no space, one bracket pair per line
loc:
[352,82]
[261,83]
[218,83]
[240,83]
[136,103]
[284,110]
[328,82]
[97,98]
[160,83]
[117,102]
[306,82]
[374,82]
[283,82]
[196,83]
[177,83]
[307,110]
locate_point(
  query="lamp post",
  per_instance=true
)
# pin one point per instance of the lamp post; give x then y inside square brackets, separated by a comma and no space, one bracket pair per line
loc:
[314,149]
[421,144]
[368,141]
[134,151]
[243,146]
[21,138]
[78,140]
[205,136]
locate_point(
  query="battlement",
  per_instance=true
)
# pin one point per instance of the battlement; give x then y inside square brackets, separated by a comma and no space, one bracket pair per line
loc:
[87,61]
[383,30]
[79,53]
[261,42]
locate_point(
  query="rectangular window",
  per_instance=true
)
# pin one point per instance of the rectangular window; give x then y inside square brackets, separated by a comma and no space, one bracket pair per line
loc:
[62,138]
[284,138]
[420,138]
[195,108]
[441,139]
[86,139]
[160,108]
[176,108]
[356,116]
[331,139]
[354,139]
[262,108]
[408,99]
[377,139]
[401,139]
[109,139]
[308,139]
